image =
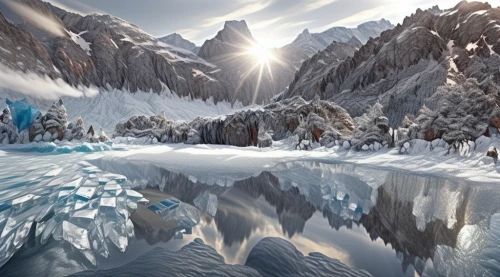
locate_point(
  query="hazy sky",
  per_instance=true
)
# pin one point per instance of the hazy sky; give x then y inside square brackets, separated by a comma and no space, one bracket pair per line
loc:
[272,22]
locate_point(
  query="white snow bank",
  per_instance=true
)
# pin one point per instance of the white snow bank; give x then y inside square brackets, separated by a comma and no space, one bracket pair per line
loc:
[206,162]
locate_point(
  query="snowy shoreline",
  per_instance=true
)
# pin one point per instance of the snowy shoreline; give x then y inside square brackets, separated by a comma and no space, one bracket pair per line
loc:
[238,162]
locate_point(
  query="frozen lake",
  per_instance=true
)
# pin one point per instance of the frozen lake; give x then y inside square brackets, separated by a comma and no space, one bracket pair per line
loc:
[388,223]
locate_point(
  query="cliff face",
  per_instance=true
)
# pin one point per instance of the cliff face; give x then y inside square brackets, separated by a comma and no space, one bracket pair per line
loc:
[405,66]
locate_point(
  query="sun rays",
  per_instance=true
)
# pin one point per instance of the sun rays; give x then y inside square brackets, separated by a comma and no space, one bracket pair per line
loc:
[254,62]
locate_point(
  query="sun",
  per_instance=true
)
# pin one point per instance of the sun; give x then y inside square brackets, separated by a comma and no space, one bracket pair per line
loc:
[260,54]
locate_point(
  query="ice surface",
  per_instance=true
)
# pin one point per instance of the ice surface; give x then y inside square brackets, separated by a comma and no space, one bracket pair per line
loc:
[86,192]
[108,202]
[75,235]
[185,215]
[58,199]
[206,202]
[23,114]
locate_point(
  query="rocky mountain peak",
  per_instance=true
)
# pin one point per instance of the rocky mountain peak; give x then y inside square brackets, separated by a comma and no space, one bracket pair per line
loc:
[232,38]
[354,41]
[177,40]
[235,32]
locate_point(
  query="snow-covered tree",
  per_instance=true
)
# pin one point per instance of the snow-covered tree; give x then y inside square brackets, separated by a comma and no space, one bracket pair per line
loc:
[456,113]
[372,127]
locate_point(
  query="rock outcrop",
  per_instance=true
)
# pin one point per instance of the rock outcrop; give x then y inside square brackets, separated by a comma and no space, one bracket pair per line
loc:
[8,131]
[248,128]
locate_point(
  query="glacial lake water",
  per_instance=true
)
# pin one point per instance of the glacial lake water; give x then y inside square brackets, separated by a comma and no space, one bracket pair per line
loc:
[388,223]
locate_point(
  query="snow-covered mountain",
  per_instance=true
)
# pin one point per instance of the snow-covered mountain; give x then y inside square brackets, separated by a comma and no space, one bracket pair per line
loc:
[307,81]
[110,53]
[406,65]
[178,41]
[307,44]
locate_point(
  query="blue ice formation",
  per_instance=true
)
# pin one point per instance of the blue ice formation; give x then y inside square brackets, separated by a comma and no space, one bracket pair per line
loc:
[23,113]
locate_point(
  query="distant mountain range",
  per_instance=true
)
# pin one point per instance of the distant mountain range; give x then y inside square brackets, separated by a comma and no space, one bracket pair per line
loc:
[308,44]
[178,41]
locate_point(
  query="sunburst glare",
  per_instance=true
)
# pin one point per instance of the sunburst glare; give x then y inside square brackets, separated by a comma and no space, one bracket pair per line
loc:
[260,54]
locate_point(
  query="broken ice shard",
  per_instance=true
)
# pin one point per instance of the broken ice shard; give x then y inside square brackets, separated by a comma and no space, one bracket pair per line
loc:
[110,186]
[109,202]
[75,235]
[206,202]
[185,215]
[86,192]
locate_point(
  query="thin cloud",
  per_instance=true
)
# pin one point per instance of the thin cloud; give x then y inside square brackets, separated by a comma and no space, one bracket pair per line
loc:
[356,19]
[265,23]
[294,24]
[189,34]
[246,10]
[47,23]
[31,84]
[76,7]
[318,4]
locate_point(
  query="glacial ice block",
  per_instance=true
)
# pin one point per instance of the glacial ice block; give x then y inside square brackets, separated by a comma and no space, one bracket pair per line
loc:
[69,206]
[207,202]
[75,235]
[23,114]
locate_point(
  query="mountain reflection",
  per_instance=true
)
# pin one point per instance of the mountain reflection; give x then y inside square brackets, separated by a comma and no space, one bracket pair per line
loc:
[414,214]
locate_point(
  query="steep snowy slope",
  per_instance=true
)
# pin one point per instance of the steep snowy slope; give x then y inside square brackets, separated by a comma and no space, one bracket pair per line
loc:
[307,81]
[178,41]
[405,65]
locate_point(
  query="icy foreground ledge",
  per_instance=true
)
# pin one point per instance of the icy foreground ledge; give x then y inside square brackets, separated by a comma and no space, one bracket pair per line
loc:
[270,257]
[76,203]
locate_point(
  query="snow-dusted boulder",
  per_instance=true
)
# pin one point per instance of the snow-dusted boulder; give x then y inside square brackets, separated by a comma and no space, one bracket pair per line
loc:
[52,125]
[8,131]
[493,153]
[264,139]
[55,120]
[75,131]
[102,136]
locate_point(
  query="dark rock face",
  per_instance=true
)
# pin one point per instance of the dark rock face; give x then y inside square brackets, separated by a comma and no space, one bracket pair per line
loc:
[306,119]
[21,51]
[307,81]
[8,131]
[405,66]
